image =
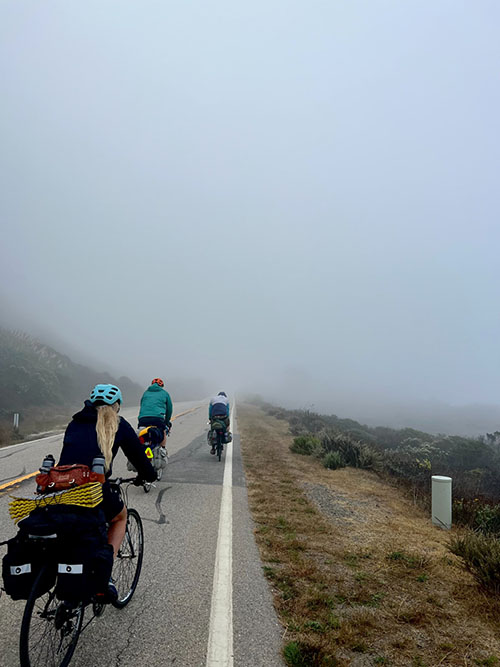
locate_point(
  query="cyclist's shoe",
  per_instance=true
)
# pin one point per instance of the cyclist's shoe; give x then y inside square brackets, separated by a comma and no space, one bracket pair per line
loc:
[112,592]
[110,595]
[212,451]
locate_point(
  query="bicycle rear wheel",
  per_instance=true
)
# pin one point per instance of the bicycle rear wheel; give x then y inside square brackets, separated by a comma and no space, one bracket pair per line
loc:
[128,562]
[220,446]
[49,630]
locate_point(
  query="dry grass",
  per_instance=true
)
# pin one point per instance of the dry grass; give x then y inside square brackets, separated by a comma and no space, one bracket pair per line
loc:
[365,581]
[34,421]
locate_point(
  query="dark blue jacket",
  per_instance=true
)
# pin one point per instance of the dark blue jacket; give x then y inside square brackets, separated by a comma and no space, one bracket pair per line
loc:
[80,443]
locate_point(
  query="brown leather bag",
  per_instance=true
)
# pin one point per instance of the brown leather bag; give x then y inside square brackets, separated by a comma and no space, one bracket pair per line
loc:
[60,478]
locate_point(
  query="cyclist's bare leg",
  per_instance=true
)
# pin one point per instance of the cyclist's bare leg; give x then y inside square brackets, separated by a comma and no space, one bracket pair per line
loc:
[116,530]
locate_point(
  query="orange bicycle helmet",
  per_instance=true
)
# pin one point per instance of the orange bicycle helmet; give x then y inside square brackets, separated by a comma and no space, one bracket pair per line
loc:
[158,381]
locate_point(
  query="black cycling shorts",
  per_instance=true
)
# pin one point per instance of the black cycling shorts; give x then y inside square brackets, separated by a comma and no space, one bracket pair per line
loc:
[112,503]
[153,421]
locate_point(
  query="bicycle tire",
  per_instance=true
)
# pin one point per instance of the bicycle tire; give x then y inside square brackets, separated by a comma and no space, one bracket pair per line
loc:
[42,643]
[128,562]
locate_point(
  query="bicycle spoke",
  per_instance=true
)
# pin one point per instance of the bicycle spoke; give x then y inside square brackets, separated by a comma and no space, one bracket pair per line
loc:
[127,566]
[49,631]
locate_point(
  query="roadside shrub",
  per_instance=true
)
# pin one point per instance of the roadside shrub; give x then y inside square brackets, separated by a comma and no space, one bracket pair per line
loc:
[480,555]
[477,515]
[464,511]
[370,459]
[333,460]
[353,453]
[487,519]
[414,473]
[305,444]
[344,444]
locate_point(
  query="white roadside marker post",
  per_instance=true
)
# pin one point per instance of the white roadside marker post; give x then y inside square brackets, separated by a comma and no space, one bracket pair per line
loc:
[441,501]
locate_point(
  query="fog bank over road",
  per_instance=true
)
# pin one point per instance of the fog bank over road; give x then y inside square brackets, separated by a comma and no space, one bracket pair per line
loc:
[282,200]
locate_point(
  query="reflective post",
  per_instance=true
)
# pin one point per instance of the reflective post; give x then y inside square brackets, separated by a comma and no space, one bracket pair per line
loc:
[441,501]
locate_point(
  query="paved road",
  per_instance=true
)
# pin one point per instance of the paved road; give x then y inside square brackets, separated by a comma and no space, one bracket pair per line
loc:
[171,617]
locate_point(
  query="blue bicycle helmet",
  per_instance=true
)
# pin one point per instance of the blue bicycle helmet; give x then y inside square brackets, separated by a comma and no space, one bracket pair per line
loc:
[105,393]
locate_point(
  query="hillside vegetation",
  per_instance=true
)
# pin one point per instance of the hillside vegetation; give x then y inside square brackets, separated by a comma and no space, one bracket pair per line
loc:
[409,458]
[359,574]
[407,455]
[43,385]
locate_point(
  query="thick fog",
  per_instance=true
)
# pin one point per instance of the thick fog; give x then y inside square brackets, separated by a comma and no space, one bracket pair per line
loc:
[293,198]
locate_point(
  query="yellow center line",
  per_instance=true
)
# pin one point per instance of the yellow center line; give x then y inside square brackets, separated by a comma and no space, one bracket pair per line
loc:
[186,412]
[18,480]
[32,474]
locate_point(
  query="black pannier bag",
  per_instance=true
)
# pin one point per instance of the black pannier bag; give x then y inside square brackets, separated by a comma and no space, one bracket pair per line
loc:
[83,569]
[22,563]
[72,541]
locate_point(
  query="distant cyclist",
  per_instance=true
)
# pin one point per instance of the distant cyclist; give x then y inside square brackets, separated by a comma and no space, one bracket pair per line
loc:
[218,412]
[98,430]
[156,408]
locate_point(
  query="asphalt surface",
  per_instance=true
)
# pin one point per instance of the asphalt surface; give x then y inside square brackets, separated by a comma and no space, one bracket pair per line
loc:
[167,621]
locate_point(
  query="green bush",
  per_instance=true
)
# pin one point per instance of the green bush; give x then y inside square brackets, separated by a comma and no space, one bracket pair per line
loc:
[305,444]
[352,452]
[487,519]
[333,460]
[480,555]
[477,515]
[370,459]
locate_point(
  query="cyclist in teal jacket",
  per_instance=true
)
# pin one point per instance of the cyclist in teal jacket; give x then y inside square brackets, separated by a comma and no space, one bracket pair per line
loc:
[156,408]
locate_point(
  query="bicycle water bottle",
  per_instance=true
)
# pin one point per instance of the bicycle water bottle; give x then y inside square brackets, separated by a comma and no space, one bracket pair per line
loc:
[47,463]
[99,466]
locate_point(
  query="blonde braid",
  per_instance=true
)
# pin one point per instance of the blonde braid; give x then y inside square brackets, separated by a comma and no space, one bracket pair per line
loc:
[106,427]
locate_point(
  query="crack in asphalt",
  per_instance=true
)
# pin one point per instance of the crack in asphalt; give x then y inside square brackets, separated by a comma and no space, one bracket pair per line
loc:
[150,590]
[130,636]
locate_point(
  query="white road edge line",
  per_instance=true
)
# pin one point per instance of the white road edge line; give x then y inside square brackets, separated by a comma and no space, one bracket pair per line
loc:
[31,442]
[220,636]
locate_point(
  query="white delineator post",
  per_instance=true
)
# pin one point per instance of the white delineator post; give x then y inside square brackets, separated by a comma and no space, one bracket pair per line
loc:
[441,501]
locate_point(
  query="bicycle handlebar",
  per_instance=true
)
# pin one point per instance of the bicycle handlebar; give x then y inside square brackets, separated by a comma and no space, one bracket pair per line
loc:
[121,480]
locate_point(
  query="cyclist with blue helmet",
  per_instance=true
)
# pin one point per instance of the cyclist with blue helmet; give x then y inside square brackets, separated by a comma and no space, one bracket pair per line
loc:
[97,430]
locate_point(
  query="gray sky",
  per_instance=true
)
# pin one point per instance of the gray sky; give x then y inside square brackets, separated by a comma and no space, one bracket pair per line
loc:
[295,197]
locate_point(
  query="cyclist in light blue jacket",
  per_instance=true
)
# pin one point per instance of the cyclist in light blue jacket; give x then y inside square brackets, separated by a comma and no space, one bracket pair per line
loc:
[218,412]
